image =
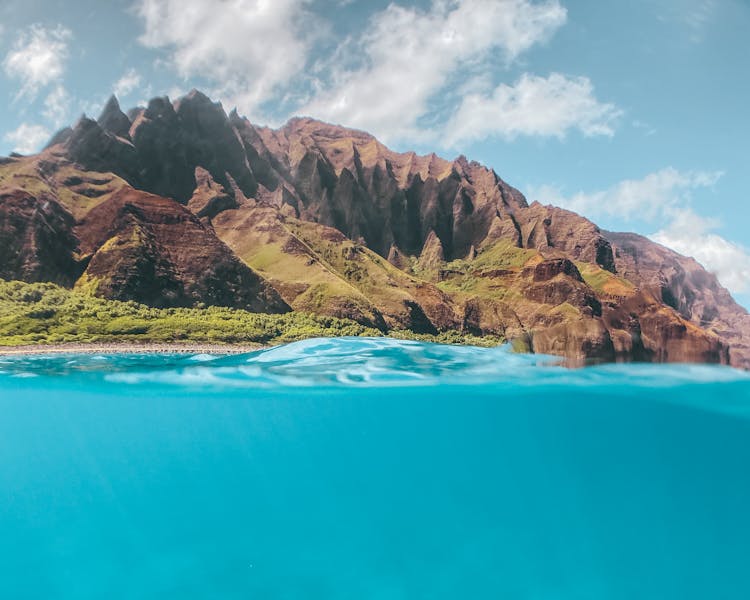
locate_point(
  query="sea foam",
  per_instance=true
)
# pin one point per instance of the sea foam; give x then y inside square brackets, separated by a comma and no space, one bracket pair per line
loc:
[366,362]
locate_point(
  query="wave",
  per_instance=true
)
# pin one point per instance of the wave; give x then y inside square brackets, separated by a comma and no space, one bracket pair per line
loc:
[365,362]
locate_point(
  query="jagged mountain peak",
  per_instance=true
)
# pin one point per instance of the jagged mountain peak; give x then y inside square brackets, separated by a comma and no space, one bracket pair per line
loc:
[159,106]
[340,177]
[340,145]
[318,128]
[343,225]
[196,94]
[112,119]
[197,100]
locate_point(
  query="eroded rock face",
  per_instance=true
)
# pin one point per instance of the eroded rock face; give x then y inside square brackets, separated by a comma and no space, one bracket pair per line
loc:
[580,340]
[160,149]
[341,225]
[114,120]
[317,269]
[547,269]
[209,198]
[552,228]
[150,249]
[36,239]
[331,175]
[683,284]
[433,254]
[98,150]
[565,289]
[346,179]
[658,333]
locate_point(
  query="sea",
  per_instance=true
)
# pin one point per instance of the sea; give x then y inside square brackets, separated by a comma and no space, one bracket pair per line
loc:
[371,469]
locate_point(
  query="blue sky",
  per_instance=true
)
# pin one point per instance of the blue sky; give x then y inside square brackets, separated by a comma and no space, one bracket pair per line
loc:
[633,113]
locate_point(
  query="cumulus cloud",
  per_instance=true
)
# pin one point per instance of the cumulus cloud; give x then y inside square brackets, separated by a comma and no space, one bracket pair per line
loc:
[28,138]
[537,106]
[422,74]
[692,235]
[127,84]
[246,49]
[37,58]
[663,200]
[410,55]
[654,198]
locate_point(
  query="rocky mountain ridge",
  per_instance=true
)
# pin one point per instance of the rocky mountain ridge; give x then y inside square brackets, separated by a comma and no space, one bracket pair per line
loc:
[179,203]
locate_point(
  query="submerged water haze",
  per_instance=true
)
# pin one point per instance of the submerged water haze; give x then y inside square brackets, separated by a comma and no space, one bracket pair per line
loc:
[371,469]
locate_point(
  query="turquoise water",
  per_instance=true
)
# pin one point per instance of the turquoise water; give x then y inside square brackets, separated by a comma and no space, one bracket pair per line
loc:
[371,469]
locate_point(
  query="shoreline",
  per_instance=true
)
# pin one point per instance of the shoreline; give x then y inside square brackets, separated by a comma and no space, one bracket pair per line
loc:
[128,348]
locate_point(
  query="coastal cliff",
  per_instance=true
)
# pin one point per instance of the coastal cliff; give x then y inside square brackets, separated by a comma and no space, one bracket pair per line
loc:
[179,204]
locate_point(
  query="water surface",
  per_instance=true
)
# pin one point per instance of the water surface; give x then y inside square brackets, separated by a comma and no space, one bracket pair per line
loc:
[371,469]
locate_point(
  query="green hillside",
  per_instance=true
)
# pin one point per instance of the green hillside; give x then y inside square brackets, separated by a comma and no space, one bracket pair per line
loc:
[43,313]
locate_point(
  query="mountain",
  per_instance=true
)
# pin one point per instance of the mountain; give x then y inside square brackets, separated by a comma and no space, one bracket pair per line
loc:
[180,204]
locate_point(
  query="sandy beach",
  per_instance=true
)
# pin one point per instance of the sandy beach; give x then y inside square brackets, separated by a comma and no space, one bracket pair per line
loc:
[128,348]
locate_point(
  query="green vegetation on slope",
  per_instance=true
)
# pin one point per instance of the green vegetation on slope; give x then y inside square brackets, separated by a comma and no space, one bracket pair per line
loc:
[43,313]
[77,190]
[603,282]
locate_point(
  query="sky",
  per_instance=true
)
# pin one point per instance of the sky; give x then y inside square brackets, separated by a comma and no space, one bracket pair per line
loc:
[634,114]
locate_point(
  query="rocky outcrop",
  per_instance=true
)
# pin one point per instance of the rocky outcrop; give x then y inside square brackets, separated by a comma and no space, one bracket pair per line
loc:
[327,220]
[163,146]
[209,198]
[113,120]
[36,239]
[683,284]
[548,228]
[93,231]
[432,255]
[150,249]
[346,179]
[547,269]
[338,177]
[317,269]
[95,149]
[397,258]
[580,340]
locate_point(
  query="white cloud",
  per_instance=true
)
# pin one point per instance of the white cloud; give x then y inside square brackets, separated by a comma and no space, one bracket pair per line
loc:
[691,235]
[38,58]
[417,74]
[28,138]
[654,198]
[57,106]
[245,49]
[663,200]
[128,83]
[410,55]
[536,106]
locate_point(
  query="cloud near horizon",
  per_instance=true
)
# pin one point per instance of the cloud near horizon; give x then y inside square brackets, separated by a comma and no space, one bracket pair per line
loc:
[662,200]
[692,235]
[28,138]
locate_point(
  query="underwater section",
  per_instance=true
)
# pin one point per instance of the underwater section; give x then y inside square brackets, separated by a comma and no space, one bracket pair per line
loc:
[374,469]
